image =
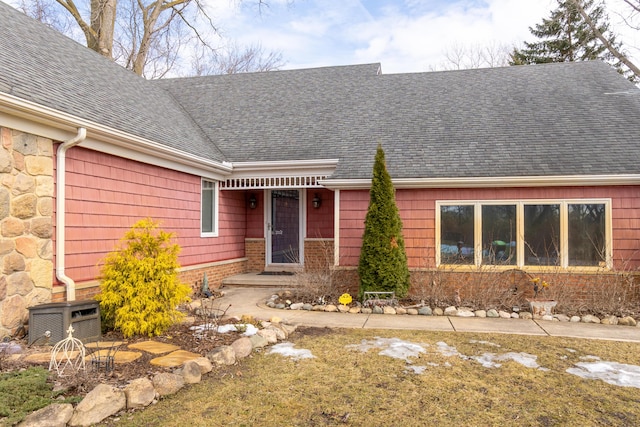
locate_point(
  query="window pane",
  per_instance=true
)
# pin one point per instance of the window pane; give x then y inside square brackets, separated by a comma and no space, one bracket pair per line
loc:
[456,235]
[499,235]
[542,234]
[587,234]
[207,207]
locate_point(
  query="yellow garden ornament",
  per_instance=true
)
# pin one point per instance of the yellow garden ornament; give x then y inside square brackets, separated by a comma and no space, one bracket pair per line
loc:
[345,299]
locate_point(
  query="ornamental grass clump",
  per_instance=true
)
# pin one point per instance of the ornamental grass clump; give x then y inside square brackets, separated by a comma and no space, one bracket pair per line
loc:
[140,289]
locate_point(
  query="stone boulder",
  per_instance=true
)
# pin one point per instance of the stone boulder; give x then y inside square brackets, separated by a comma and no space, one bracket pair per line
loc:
[259,341]
[627,321]
[191,372]
[139,393]
[204,364]
[425,311]
[242,347]
[55,415]
[166,383]
[451,311]
[100,403]
[223,355]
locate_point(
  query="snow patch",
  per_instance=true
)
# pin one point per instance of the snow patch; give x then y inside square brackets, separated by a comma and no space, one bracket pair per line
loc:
[286,349]
[614,373]
[248,328]
[391,347]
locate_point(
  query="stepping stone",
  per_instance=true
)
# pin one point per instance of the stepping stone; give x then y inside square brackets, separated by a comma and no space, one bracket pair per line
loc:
[154,347]
[172,360]
[103,344]
[119,357]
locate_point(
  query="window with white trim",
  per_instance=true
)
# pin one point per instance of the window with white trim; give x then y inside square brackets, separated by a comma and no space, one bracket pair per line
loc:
[567,233]
[209,209]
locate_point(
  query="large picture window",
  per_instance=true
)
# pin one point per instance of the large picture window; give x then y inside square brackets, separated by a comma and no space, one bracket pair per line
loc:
[536,233]
[208,209]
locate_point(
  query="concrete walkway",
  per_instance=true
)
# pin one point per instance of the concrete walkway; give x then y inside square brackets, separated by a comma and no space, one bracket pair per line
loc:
[251,301]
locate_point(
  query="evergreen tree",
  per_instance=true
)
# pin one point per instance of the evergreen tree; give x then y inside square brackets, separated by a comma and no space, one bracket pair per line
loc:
[566,36]
[383,260]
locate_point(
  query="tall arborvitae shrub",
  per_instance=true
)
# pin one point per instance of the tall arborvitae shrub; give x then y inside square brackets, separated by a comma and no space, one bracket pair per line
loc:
[383,260]
[140,289]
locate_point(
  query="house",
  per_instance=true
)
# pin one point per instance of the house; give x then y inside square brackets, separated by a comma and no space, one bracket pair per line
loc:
[530,168]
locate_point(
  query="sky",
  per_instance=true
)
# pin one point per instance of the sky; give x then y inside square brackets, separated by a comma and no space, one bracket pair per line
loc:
[402,35]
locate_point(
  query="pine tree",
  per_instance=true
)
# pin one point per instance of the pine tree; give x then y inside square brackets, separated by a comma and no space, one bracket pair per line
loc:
[566,36]
[383,261]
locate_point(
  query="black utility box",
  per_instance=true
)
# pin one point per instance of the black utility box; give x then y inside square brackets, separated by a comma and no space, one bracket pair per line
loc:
[56,317]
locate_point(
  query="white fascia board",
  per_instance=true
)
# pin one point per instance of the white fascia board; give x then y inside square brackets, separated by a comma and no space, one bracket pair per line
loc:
[324,167]
[491,182]
[32,118]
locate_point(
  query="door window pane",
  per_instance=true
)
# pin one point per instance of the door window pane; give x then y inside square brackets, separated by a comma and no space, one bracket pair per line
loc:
[586,235]
[542,234]
[499,234]
[456,234]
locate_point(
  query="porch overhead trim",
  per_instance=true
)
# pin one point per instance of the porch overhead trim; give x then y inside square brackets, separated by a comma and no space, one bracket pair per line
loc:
[279,174]
[491,182]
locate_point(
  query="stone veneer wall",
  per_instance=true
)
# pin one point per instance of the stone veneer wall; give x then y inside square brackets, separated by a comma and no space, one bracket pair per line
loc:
[26,226]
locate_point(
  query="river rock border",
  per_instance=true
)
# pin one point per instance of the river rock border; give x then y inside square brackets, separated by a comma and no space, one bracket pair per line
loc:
[105,400]
[280,301]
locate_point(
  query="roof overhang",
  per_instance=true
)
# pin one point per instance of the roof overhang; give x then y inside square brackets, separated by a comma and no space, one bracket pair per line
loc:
[279,174]
[26,116]
[491,182]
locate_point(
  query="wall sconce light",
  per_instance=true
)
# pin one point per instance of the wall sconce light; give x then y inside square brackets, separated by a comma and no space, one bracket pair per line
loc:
[253,202]
[317,201]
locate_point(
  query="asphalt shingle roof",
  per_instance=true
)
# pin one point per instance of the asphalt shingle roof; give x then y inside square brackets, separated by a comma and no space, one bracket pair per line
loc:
[41,65]
[553,119]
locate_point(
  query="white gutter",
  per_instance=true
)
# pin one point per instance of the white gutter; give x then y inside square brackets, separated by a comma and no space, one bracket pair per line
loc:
[490,182]
[60,210]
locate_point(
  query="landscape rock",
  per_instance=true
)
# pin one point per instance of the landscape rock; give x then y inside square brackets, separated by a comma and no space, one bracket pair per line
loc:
[515,315]
[561,317]
[609,320]
[451,311]
[366,310]
[438,311]
[307,307]
[493,313]
[480,313]
[269,335]
[588,318]
[54,415]
[627,321]
[377,310]
[330,308]
[280,332]
[100,403]
[401,310]
[167,383]
[139,393]
[388,310]
[575,319]
[504,315]
[425,311]
[296,306]
[526,315]
[259,341]
[548,318]
[242,347]
[412,311]
[343,308]
[204,364]
[190,372]
[223,355]
[354,310]
[465,312]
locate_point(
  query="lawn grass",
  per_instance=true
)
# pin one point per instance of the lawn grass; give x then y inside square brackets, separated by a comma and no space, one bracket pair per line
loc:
[345,386]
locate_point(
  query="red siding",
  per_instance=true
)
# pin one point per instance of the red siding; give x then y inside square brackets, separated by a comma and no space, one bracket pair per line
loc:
[106,195]
[255,217]
[320,220]
[417,209]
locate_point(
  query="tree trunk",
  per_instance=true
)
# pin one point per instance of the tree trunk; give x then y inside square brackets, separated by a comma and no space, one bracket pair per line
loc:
[103,19]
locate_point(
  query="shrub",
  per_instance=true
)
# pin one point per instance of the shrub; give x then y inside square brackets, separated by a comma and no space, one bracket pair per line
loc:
[383,261]
[140,289]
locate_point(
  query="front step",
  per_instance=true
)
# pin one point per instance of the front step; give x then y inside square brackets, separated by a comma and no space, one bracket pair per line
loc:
[260,280]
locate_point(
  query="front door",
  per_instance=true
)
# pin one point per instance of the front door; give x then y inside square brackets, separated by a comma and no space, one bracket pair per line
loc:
[283,228]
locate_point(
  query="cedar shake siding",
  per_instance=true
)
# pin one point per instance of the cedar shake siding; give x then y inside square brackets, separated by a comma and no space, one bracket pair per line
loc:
[417,209]
[106,195]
